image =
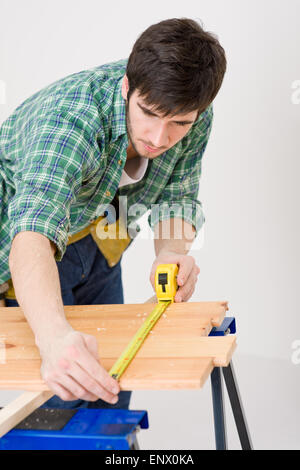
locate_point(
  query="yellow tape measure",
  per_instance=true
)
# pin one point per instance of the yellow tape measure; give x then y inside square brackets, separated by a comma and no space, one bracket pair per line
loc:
[165,288]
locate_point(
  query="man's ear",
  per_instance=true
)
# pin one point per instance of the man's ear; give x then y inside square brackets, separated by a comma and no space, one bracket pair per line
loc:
[125,87]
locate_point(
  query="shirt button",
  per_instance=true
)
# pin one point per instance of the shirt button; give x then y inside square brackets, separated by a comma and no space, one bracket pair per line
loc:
[120,162]
[107,193]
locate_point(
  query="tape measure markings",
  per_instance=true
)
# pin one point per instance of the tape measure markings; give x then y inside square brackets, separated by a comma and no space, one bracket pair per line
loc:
[165,287]
[132,348]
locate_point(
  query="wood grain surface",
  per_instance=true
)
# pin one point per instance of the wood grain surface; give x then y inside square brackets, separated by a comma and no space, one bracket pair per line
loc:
[176,354]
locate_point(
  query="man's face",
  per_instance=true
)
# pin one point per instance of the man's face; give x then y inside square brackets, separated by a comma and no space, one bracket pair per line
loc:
[149,134]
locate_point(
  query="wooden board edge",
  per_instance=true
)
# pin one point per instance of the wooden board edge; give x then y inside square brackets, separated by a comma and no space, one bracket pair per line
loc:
[231,347]
[13,413]
[194,383]
[38,386]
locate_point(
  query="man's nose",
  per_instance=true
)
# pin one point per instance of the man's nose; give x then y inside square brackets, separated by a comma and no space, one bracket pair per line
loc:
[159,136]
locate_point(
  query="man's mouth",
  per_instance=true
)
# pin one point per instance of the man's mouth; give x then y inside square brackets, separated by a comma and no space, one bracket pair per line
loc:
[150,149]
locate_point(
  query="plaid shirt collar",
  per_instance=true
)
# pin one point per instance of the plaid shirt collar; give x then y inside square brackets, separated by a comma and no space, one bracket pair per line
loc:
[118,121]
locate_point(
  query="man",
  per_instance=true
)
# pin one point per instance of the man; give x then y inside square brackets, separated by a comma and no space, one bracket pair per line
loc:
[133,129]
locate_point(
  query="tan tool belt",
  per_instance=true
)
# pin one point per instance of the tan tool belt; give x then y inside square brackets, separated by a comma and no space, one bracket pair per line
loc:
[111,247]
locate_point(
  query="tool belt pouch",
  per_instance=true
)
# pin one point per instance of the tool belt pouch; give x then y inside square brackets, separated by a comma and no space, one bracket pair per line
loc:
[109,233]
[111,239]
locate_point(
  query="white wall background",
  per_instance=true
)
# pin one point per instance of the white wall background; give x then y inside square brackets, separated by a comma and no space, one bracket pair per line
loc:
[249,186]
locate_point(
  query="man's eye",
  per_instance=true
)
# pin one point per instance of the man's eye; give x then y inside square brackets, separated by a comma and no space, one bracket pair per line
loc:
[148,113]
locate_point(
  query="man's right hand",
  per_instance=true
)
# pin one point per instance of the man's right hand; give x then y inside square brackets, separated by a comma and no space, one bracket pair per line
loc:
[71,368]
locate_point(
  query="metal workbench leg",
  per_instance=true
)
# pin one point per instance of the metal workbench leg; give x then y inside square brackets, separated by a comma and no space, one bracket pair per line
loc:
[135,445]
[218,407]
[237,407]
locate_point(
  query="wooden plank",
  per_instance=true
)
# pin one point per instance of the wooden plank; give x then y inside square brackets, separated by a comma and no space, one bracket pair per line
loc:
[156,345]
[214,311]
[179,373]
[182,373]
[20,408]
[177,354]
[25,375]
[180,334]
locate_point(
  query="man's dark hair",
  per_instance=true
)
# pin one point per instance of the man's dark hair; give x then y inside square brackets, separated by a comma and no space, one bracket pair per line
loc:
[176,66]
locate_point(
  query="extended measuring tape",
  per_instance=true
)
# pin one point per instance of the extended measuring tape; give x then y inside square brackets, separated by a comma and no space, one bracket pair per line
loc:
[165,288]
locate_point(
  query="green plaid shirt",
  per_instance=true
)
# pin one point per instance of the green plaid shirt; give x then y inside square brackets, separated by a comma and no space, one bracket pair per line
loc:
[62,153]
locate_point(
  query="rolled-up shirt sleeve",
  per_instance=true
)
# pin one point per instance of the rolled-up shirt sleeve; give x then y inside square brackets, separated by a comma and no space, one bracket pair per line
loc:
[179,198]
[47,177]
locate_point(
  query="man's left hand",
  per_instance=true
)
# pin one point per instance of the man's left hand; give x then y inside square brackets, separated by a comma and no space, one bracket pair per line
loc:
[187,273]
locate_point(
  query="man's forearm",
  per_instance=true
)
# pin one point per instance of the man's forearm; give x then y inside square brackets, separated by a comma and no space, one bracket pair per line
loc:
[174,235]
[36,284]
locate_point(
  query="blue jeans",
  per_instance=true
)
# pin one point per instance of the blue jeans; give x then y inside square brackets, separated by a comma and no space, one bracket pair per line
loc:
[87,279]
